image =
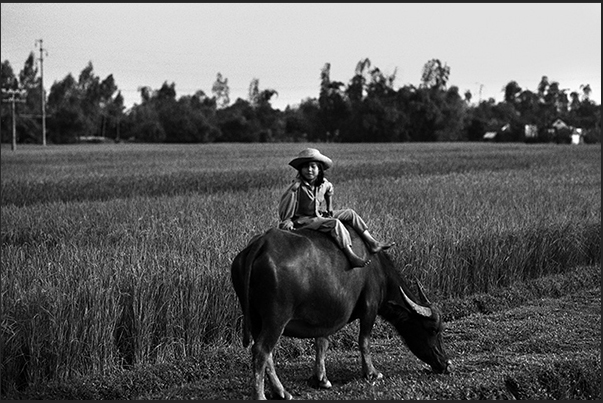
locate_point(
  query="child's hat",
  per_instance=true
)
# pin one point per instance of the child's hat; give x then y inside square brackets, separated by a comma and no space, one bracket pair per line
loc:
[308,155]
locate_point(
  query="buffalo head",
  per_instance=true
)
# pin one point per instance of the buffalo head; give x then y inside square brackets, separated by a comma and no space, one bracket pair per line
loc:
[420,326]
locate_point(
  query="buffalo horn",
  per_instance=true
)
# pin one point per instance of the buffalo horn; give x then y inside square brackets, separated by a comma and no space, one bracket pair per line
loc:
[421,310]
[422,295]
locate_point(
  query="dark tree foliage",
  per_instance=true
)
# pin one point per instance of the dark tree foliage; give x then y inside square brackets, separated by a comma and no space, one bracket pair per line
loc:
[84,108]
[374,113]
[237,123]
[369,108]
[8,82]
[334,106]
[309,125]
[162,117]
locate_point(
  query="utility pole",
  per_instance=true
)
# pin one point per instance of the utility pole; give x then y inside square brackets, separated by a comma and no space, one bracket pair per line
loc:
[13,100]
[42,52]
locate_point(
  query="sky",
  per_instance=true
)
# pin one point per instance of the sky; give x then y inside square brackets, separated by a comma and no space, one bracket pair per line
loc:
[285,45]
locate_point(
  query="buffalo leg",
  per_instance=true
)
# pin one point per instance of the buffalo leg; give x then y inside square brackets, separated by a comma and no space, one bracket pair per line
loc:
[364,341]
[321,344]
[261,352]
[258,358]
[277,387]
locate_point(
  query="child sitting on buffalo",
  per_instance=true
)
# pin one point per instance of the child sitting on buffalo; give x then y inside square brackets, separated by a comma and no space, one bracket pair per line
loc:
[308,203]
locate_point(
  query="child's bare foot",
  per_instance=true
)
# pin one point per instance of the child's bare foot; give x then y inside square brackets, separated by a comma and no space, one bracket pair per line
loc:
[379,246]
[359,262]
[354,259]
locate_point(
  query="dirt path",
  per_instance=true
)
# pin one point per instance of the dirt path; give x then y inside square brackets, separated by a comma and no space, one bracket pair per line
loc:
[546,349]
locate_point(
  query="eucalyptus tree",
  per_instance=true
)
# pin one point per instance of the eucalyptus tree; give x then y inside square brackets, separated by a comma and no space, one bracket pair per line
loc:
[435,75]
[334,108]
[512,91]
[29,119]
[586,91]
[527,105]
[376,116]
[357,88]
[254,92]
[87,106]
[586,114]
[8,82]
[221,91]
[67,118]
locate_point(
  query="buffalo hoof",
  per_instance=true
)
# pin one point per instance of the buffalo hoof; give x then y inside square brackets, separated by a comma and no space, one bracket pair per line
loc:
[439,370]
[286,396]
[372,378]
[316,383]
[325,384]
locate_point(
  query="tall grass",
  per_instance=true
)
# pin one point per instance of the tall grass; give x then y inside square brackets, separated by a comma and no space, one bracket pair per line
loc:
[113,257]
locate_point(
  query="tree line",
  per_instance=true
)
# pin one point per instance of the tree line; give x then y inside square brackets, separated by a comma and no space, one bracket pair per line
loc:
[366,109]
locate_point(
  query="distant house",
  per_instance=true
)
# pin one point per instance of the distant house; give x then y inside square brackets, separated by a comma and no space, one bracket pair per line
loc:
[558,131]
[564,133]
[559,124]
[577,136]
[530,131]
[94,139]
[490,136]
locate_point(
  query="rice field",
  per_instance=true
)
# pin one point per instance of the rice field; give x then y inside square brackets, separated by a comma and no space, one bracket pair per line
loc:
[119,254]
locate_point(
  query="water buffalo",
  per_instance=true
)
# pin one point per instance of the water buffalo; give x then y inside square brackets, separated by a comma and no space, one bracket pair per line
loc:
[300,284]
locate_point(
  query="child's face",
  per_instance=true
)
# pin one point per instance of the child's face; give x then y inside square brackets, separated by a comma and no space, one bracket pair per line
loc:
[310,171]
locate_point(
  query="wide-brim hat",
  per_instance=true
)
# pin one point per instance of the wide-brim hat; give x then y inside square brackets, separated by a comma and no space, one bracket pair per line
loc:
[309,155]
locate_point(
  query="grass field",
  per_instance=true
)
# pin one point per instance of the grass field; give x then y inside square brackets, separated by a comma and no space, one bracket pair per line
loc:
[117,256]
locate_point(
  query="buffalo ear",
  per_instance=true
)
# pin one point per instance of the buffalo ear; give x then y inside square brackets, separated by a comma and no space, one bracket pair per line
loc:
[393,303]
[397,307]
[401,312]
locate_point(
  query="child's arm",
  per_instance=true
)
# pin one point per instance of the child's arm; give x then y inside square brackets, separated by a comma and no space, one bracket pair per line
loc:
[329,204]
[329,201]
[287,207]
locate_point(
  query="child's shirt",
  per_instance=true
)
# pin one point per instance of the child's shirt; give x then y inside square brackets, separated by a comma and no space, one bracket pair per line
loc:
[303,200]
